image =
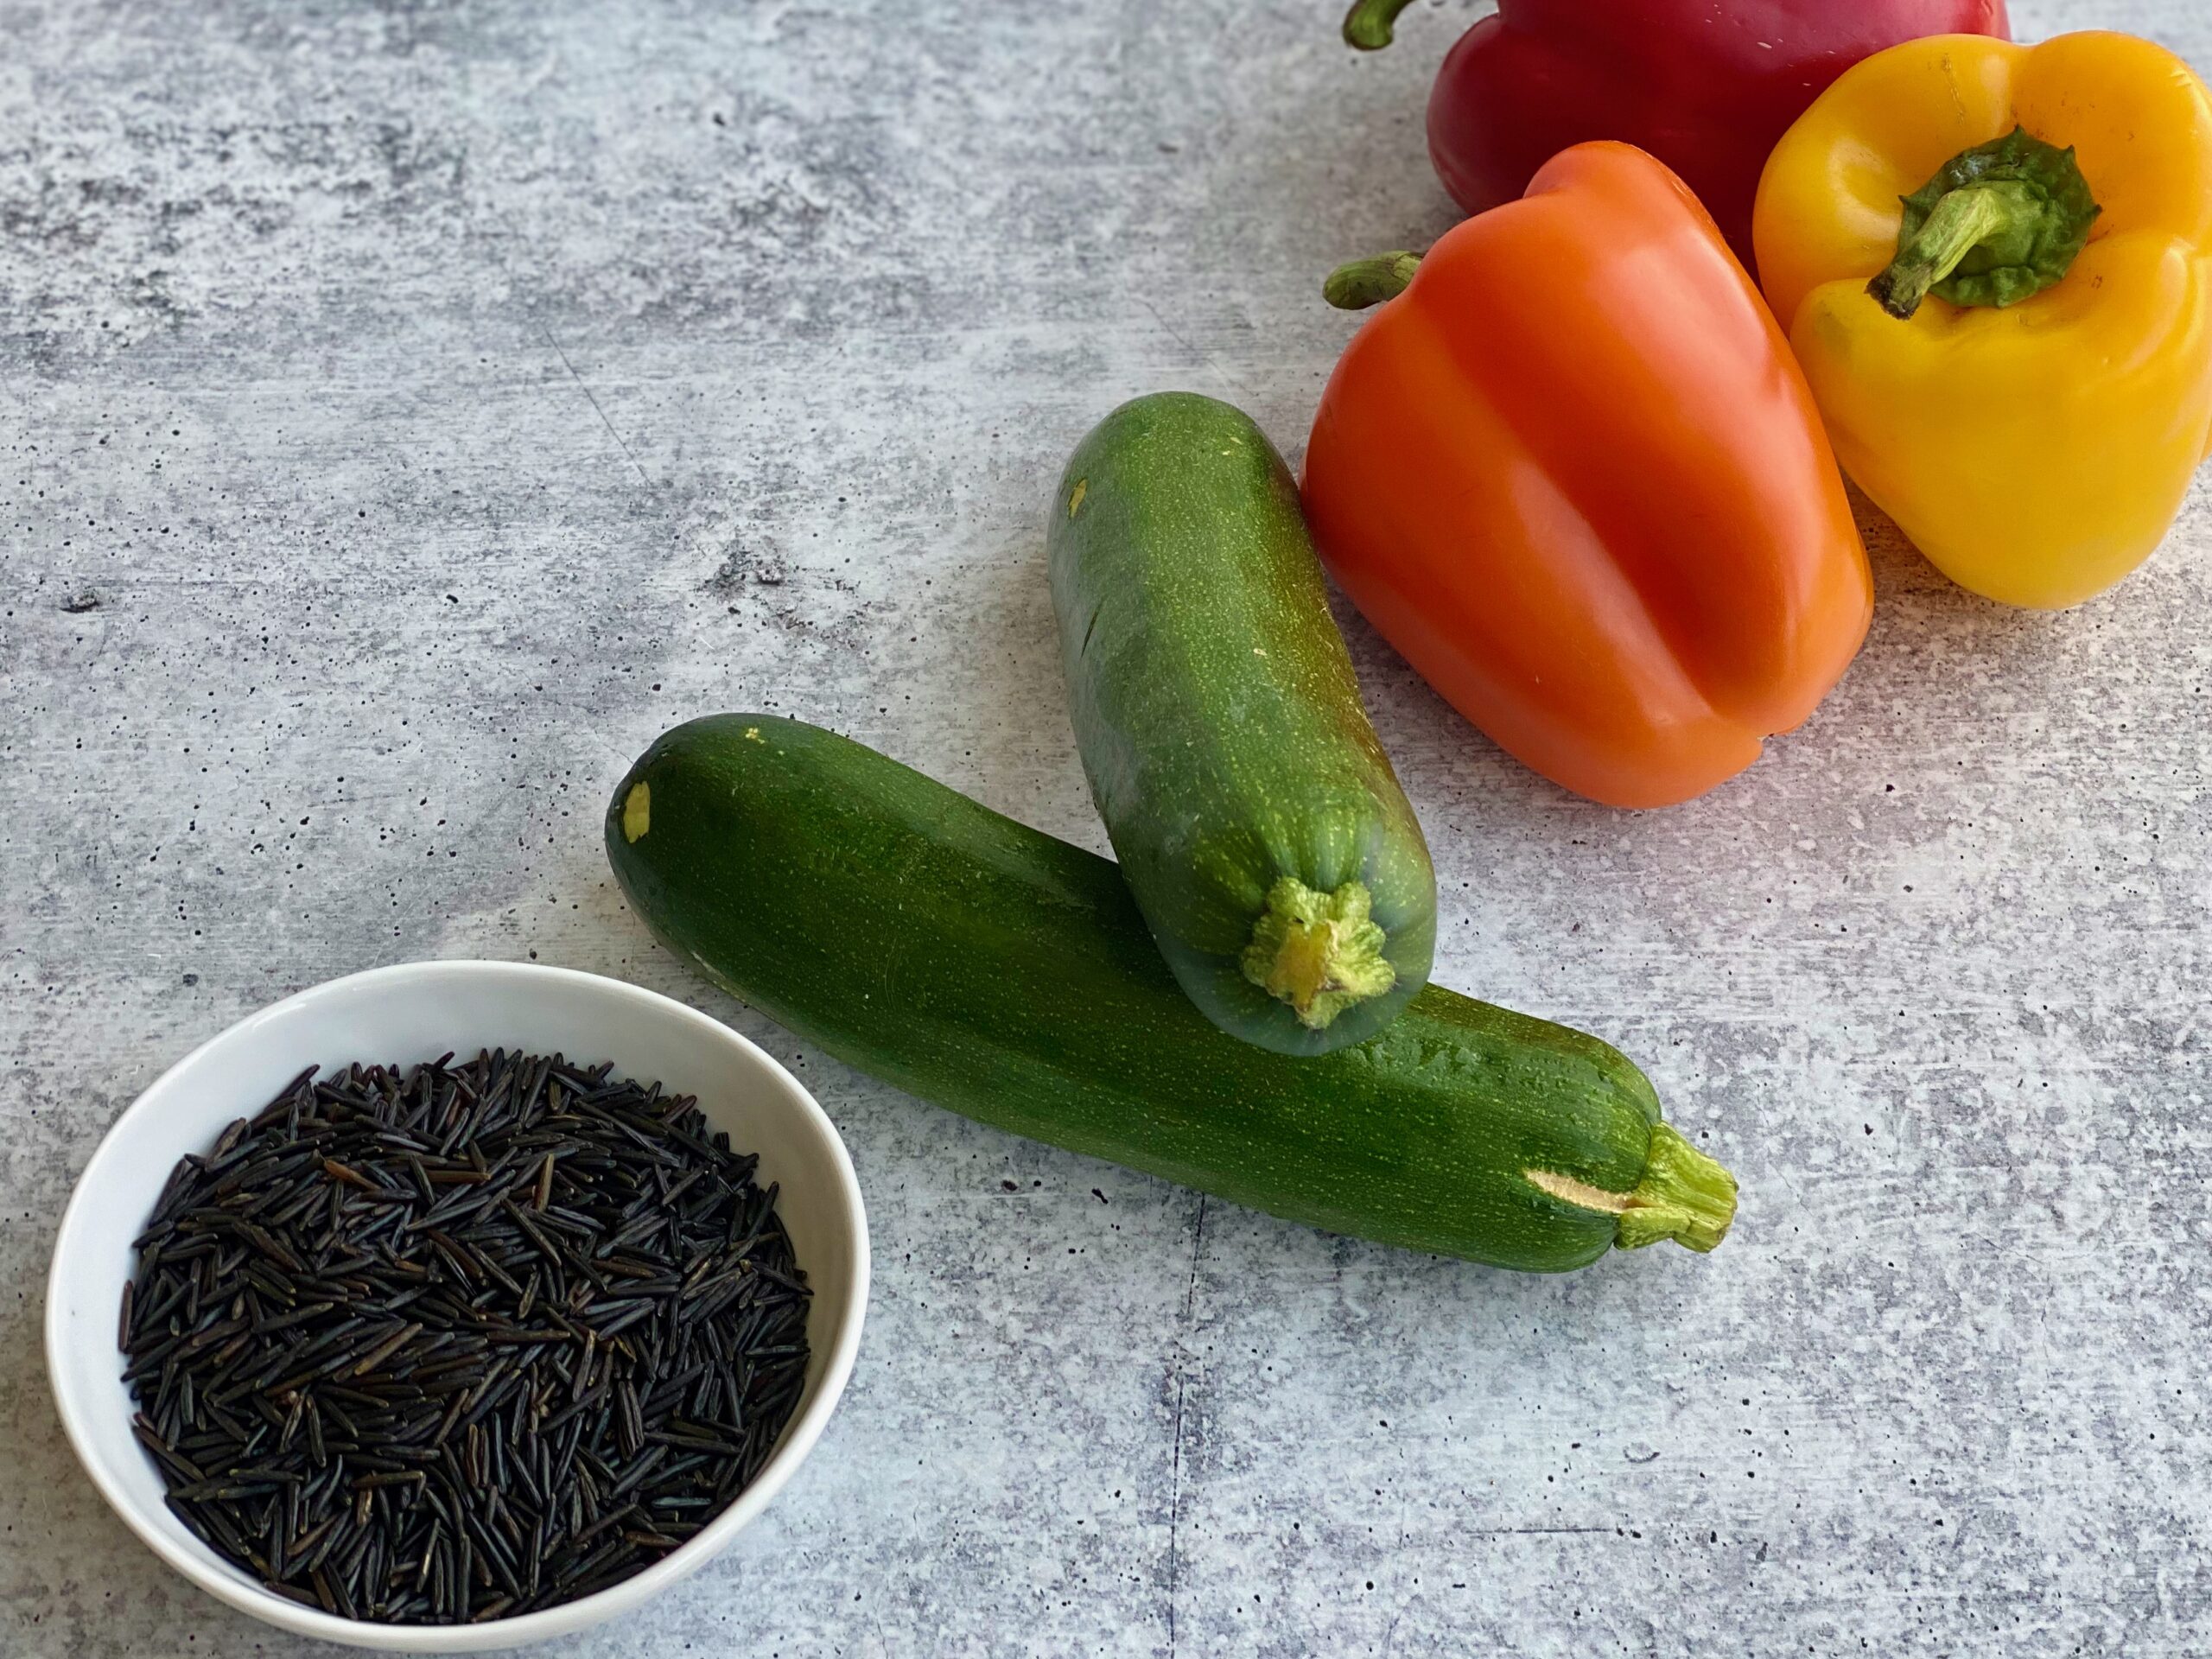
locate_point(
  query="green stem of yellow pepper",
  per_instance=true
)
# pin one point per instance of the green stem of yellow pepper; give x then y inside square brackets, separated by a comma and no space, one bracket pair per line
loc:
[1997,224]
[1960,220]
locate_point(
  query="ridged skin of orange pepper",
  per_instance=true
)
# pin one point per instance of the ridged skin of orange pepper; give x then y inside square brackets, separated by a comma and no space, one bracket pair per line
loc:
[2038,453]
[1572,474]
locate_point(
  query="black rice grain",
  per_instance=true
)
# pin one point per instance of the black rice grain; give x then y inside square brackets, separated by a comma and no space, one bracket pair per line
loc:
[461,1341]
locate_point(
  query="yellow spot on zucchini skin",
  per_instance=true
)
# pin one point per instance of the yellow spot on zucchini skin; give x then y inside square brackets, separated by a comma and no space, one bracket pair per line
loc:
[1075,496]
[753,735]
[637,812]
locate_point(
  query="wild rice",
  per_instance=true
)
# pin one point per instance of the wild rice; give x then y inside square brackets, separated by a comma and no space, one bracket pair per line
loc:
[461,1341]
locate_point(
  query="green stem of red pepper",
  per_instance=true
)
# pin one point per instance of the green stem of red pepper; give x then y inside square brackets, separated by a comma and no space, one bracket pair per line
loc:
[1367,25]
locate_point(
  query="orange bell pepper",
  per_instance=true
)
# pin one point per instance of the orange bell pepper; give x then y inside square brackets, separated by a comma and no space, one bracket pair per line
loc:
[1572,472]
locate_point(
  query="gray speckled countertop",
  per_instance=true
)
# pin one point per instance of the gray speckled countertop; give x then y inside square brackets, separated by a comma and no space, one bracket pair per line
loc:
[408,410]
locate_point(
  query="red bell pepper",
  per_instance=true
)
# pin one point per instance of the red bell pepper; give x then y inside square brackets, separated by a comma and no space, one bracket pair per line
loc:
[1708,87]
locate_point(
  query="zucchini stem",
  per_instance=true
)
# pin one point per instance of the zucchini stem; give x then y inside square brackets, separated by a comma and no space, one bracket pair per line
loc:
[1320,952]
[1683,1195]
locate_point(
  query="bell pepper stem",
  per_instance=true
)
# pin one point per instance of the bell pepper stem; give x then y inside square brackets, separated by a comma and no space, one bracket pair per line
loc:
[1962,219]
[1997,224]
[1369,282]
[1367,25]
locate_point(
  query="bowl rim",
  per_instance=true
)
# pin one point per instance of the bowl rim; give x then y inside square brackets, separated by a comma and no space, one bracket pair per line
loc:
[238,1591]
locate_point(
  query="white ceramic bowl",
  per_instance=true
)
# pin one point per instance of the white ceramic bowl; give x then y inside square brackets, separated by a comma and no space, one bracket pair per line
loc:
[417,1011]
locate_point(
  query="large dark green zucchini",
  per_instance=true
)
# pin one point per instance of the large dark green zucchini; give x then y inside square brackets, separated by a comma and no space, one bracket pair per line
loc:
[1007,975]
[1256,817]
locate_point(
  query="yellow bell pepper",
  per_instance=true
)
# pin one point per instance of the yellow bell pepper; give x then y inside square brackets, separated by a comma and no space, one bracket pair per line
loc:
[2033,425]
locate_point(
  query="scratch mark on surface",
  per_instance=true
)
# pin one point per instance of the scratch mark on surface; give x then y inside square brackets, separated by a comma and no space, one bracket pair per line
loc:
[1516,1532]
[1210,359]
[593,398]
[1175,1467]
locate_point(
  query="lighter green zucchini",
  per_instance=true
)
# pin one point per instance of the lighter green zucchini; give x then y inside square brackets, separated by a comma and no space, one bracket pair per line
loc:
[1255,814]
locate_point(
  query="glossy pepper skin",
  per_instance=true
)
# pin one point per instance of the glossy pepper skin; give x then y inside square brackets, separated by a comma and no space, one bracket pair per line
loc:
[2036,452]
[1572,473]
[1706,85]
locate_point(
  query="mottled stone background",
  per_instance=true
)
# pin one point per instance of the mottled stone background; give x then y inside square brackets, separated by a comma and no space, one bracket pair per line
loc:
[408,409]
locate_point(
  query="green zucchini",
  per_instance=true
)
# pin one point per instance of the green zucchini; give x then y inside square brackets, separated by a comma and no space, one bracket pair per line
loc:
[1255,816]
[1008,976]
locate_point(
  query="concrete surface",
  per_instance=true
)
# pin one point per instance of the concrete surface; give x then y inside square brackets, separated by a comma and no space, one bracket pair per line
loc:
[409,408]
